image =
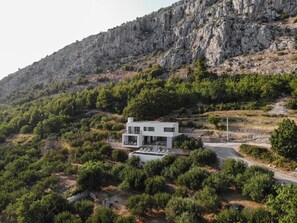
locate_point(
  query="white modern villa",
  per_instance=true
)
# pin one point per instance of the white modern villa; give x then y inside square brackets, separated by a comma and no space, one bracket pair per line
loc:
[151,133]
[153,139]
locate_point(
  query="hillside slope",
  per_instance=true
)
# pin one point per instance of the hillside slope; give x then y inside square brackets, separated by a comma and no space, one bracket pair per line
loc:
[215,29]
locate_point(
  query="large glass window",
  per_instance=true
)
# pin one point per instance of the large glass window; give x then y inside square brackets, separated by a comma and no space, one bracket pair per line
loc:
[151,129]
[169,129]
[137,130]
[133,130]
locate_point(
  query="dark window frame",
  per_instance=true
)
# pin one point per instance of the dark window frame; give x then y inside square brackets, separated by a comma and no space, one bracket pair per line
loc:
[169,129]
[151,129]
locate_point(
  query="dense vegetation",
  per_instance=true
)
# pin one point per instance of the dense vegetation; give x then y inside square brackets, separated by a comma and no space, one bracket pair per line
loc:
[284,140]
[67,135]
[284,147]
[147,97]
[267,156]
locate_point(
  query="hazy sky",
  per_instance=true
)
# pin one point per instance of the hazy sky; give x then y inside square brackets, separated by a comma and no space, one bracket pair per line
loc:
[32,29]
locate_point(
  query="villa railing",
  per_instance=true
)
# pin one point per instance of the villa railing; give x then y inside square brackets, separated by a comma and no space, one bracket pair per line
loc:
[156,144]
[130,143]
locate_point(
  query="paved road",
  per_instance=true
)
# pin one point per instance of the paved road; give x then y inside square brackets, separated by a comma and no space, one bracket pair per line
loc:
[228,151]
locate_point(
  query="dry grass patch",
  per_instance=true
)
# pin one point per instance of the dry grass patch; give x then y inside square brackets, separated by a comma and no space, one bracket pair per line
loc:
[293,58]
[273,58]
[237,198]
[117,199]
[65,182]
[21,138]
[243,124]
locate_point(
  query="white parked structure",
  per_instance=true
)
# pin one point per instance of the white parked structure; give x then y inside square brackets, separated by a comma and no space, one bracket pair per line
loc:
[153,134]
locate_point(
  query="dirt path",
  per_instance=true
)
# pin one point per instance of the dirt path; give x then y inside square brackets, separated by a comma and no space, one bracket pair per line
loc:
[279,108]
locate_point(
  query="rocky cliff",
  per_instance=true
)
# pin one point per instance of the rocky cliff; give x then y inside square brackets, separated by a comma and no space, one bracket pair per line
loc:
[228,33]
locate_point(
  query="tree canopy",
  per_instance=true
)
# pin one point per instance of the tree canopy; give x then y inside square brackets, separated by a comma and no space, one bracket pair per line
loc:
[284,139]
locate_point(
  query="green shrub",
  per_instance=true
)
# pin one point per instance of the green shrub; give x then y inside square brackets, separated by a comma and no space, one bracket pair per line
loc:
[229,215]
[156,71]
[128,67]
[102,214]
[257,152]
[284,139]
[139,204]
[160,200]
[81,80]
[265,155]
[182,111]
[203,157]
[91,176]
[257,215]
[154,185]
[133,161]
[285,163]
[187,143]
[284,15]
[66,217]
[90,156]
[133,178]
[193,179]
[283,205]
[169,159]
[218,181]
[105,150]
[244,178]
[207,199]
[267,108]
[119,155]
[84,208]
[30,208]
[181,192]
[117,170]
[184,218]
[178,167]
[233,167]
[177,206]
[292,103]
[215,120]
[129,219]
[258,187]
[2,138]
[154,167]
[26,129]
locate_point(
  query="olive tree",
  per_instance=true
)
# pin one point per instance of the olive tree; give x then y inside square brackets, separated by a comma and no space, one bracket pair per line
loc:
[91,176]
[177,206]
[283,205]
[154,185]
[284,139]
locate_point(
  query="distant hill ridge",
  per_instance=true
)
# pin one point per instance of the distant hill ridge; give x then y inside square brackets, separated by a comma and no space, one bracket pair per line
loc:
[233,36]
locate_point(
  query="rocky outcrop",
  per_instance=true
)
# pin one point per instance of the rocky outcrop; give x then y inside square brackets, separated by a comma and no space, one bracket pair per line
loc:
[215,29]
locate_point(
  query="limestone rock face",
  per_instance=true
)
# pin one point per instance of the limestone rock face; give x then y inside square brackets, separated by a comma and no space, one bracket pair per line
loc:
[215,29]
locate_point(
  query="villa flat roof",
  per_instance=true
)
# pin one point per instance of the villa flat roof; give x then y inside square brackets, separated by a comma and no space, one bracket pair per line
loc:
[152,122]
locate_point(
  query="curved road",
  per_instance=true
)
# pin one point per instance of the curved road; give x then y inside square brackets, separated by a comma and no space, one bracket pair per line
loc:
[228,151]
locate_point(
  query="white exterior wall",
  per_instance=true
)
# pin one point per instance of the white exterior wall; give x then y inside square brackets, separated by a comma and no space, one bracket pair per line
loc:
[159,128]
[144,158]
[158,132]
[169,142]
